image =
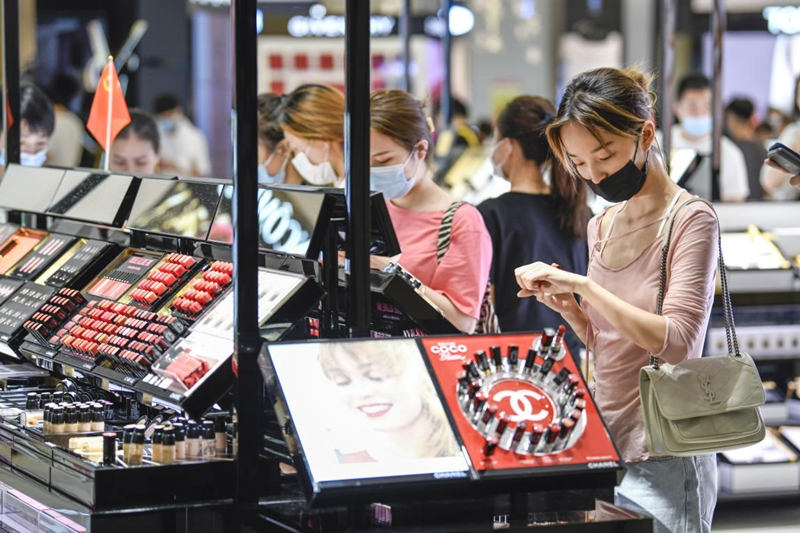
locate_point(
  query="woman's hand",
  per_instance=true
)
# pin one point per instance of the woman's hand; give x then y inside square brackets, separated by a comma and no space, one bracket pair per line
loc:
[564,304]
[379,262]
[542,279]
[795,180]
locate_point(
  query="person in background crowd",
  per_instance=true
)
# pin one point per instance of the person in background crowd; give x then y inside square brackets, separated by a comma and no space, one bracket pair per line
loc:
[604,133]
[774,180]
[693,108]
[273,150]
[533,221]
[37,122]
[312,118]
[765,135]
[740,126]
[400,145]
[136,148]
[184,148]
[777,120]
[66,142]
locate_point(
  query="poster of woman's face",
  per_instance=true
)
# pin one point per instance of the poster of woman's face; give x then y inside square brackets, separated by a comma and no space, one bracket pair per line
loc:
[365,409]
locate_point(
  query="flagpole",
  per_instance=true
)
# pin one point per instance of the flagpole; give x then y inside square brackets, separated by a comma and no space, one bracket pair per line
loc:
[108,116]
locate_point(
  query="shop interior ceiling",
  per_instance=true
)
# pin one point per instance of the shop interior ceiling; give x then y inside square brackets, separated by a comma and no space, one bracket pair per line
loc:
[387,7]
[743,6]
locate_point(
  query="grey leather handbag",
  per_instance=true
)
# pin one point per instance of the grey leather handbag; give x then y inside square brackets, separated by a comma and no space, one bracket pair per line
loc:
[703,405]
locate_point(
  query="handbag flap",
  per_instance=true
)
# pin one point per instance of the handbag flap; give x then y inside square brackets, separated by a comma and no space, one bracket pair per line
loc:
[705,386]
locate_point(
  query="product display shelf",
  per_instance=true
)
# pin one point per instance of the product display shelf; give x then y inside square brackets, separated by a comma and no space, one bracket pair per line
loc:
[767,310]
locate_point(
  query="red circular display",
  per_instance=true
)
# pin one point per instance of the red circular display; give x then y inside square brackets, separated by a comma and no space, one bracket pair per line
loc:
[523,402]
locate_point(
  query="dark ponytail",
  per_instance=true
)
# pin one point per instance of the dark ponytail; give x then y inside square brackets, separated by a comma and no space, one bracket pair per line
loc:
[525,119]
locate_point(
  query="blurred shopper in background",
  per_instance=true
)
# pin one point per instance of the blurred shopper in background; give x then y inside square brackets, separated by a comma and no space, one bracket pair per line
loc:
[741,128]
[66,142]
[775,180]
[37,122]
[184,147]
[274,155]
[312,118]
[137,147]
[534,221]
[693,109]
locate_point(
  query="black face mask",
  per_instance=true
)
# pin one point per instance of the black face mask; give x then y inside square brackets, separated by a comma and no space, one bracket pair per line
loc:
[623,184]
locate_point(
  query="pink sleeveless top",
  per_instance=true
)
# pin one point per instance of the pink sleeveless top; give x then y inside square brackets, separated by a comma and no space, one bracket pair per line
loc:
[691,269]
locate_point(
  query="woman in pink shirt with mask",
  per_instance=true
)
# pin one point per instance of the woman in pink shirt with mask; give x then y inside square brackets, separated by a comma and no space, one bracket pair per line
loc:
[400,144]
[604,134]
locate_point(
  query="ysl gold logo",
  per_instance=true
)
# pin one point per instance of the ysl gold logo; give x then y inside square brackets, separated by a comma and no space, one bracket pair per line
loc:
[705,385]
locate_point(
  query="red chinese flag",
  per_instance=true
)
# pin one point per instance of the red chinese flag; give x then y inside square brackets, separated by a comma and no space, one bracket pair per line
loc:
[106,119]
[9,115]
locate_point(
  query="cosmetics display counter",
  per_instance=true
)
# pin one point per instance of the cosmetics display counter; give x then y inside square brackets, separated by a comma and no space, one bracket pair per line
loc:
[399,420]
[124,287]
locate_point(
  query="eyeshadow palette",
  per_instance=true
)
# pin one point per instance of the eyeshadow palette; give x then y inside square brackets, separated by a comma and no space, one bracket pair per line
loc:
[129,268]
[42,256]
[83,258]
[17,246]
[162,280]
[202,291]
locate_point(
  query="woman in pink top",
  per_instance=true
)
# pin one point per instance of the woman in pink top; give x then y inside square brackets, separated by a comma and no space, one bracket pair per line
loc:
[400,142]
[604,133]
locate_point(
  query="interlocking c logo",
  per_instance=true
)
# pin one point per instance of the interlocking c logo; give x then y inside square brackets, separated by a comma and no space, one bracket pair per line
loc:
[521,404]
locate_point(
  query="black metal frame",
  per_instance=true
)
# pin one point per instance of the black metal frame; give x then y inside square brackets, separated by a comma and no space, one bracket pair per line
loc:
[11,77]
[447,45]
[718,20]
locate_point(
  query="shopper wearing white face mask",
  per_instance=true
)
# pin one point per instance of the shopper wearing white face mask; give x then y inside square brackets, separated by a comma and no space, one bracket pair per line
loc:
[312,118]
[693,109]
[400,144]
[274,155]
[37,122]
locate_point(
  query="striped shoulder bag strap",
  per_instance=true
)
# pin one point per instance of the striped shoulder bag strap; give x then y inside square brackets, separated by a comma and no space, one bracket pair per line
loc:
[487,321]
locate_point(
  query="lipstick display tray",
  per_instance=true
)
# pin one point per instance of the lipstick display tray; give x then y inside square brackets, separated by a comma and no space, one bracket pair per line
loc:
[287,297]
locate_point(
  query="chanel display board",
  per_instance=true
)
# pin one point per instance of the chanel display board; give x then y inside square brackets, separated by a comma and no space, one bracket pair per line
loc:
[385,412]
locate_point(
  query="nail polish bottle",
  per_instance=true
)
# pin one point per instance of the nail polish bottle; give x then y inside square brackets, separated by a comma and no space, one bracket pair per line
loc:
[513,357]
[235,438]
[158,440]
[72,420]
[57,424]
[127,442]
[109,448]
[193,444]
[208,444]
[84,419]
[98,418]
[137,446]
[220,435]
[168,446]
[180,441]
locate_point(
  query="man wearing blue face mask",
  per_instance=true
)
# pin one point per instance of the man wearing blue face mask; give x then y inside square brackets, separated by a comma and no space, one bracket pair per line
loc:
[36,124]
[184,148]
[693,109]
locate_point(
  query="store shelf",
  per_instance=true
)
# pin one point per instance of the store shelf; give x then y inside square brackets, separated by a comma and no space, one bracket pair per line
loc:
[728,497]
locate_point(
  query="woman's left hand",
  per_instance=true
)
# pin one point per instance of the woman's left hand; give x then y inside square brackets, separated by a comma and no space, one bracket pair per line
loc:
[542,279]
